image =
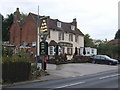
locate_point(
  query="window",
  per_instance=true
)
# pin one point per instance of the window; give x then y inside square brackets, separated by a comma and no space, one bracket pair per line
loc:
[92,51]
[70,37]
[102,58]
[59,24]
[51,50]
[76,38]
[97,57]
[88,52]
[60,35]
[72,27]
[33,44]
[69,51]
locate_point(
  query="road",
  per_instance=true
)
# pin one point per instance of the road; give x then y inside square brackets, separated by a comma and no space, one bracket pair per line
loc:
[106,79]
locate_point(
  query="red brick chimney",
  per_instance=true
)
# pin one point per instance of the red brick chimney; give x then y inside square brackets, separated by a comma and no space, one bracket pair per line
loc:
[17,16]
[75,23]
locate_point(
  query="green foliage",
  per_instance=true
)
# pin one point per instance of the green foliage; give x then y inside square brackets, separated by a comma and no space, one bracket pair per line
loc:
[33,68]
[110,50]
[6,59]
[117,35]
[23,16]
[7,51]
[102,45]
[88,42]
[6,24]
[8,56]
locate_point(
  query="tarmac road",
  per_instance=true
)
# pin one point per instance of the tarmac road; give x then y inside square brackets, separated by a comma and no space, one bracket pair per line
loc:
[106,79]
[75,76]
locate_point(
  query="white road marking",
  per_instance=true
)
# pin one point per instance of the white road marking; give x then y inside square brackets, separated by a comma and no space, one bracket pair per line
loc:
[109,76]
[70,85]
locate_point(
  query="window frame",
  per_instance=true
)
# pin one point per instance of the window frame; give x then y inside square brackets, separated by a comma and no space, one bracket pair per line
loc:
[76,38]
[59,24]
[70,37]
[72,27]
[69,51]
[60,35]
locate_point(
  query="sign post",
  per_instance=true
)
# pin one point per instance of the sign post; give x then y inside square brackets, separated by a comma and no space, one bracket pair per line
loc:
[43,44]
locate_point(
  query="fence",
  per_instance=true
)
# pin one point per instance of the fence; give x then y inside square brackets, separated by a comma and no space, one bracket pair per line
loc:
[16,71]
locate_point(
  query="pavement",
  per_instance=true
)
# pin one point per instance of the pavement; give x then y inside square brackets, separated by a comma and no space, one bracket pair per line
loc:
[69,70]
[73,70]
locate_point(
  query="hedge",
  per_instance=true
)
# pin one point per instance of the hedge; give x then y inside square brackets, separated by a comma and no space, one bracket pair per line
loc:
[16,71]
[81,59]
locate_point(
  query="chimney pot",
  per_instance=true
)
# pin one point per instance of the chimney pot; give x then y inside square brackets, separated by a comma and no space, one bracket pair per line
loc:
[74,20]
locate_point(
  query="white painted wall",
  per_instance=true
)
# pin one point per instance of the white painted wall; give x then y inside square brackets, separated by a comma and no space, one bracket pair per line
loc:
[54,36]
[89,51]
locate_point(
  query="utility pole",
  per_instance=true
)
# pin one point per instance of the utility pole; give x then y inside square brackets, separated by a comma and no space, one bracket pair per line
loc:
[37,41]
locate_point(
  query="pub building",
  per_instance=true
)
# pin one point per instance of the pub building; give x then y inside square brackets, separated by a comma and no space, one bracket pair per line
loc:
[64,34]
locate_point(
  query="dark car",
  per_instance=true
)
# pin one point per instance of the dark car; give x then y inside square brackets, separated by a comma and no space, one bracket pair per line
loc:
[118,59]
[103,59]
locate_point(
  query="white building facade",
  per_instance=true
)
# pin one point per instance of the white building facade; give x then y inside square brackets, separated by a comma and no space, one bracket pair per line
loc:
[88,51]
[66,35]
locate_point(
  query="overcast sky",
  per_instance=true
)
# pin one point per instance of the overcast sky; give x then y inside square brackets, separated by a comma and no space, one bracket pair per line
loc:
[98,18]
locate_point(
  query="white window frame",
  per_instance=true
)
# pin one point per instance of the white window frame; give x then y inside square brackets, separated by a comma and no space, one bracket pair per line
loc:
[72,27]
[33,43]
[51,50]
[59,35]
[70,37]
[76,38]
[59,24]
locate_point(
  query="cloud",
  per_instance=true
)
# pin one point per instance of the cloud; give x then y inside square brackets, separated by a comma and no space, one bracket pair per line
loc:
[95,17]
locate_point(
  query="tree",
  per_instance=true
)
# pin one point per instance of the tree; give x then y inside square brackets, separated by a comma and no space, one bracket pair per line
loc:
[88,42]
[6,24]
[117,35]
[23,16]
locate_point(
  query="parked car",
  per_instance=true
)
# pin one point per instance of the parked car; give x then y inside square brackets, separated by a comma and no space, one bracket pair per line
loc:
[103,59]
[118,59]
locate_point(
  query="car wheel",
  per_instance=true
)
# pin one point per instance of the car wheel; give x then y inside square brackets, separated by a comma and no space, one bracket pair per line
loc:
[93,61]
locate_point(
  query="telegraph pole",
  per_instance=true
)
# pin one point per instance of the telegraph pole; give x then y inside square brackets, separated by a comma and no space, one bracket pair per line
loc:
[38,33]
[37,41]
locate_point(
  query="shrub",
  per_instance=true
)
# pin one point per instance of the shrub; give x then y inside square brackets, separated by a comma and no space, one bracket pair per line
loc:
[58,60]
[19,57]
[80,59]
[15,67]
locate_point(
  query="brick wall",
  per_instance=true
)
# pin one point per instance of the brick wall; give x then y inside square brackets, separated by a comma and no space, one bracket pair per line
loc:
[15,34]
[29,30]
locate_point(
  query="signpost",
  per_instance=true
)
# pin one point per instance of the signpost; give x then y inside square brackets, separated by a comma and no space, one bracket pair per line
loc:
[43,44]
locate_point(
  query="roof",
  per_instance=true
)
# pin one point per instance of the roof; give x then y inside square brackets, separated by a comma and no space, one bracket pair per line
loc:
[114,42]
[52,24]
[52,43]
[65,27]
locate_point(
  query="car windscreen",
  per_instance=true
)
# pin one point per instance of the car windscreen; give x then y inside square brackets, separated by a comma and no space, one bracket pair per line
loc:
[107,57]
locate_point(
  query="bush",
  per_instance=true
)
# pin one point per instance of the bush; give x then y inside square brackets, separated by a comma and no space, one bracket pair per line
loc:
[58,60]
[19,57]
[15,67]
[80,59]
